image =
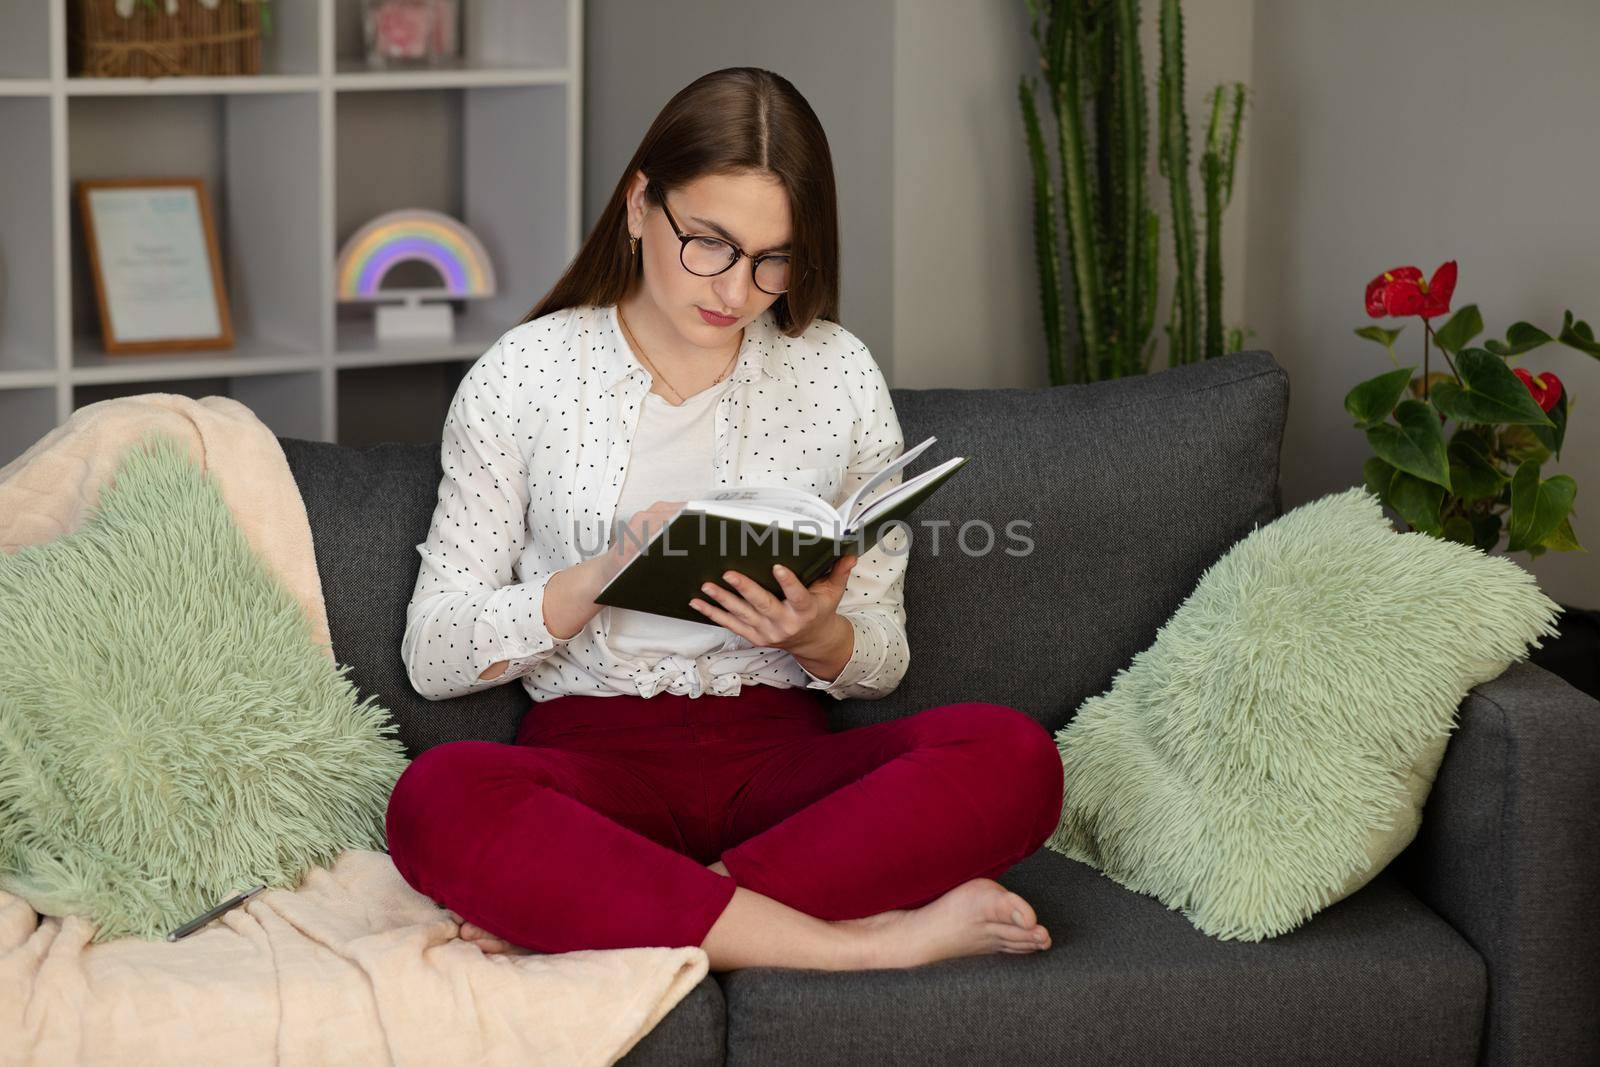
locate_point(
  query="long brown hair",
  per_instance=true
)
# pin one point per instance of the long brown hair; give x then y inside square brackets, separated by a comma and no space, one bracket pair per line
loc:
[731,121]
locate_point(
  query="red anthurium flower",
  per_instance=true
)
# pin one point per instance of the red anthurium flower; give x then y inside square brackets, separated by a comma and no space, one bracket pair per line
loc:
[1401,291]
[1545,389]
[1378,289]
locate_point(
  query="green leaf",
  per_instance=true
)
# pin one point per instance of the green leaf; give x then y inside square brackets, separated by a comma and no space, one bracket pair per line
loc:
[1384,337]
[1476,438]
[1418,502]
[1458,528]
[1552,436]
[1379,334]
[1578,335]
[1537,507]
[1563,539]
[1373,400]
[1463,326]
[1473,475]
[1493,394]
[1520,338]
[1486,530]
[1379,477]
[1521,445]
[1416,446]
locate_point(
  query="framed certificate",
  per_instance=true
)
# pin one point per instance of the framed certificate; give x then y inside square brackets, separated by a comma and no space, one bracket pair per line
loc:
[153,255]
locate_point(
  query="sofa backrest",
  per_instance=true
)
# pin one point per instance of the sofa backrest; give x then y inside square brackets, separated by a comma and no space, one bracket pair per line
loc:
[1105,501]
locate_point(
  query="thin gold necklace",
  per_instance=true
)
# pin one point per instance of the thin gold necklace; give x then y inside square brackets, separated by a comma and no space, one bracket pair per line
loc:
[640,349]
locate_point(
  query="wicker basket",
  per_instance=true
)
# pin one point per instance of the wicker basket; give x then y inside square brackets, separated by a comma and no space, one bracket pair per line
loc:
[198,40]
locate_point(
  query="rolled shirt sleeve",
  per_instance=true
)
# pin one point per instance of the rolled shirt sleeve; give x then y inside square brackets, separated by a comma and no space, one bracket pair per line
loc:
[474,603]
[873,600]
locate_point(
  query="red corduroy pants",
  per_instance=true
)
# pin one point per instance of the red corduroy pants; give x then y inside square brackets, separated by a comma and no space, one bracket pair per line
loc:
[594,829]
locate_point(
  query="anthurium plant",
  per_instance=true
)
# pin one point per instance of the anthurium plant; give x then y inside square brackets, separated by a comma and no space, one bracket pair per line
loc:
[1485,476]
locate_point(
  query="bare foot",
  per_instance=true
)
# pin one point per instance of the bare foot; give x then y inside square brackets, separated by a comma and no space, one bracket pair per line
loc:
[976,917]
[477,935]
[870,921]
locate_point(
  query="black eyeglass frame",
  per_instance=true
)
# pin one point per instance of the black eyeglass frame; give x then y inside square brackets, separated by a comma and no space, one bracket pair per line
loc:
[738,253]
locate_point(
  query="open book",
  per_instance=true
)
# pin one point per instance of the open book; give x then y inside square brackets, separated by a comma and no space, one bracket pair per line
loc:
[749,528]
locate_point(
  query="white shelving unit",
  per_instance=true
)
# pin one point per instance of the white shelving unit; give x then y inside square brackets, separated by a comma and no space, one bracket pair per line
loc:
[295,160]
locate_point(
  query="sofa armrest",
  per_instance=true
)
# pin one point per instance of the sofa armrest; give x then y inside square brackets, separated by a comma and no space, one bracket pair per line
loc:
[1509,854]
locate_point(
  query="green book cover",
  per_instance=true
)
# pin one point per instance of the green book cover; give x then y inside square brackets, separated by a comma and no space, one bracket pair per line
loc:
[698,546]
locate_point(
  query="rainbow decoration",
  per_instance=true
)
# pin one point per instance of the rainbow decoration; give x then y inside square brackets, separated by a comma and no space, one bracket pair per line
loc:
[413,234]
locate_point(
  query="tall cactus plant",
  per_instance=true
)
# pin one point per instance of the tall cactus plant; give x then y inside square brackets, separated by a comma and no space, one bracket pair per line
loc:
[1134,290]
[1216,172]
[1089,54]
[1094,74]
[1183,329]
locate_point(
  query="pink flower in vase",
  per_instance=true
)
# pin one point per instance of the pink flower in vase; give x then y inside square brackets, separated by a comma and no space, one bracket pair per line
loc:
[401,30]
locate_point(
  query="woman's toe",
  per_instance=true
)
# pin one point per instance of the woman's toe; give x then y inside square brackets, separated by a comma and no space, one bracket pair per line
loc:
[1017,911]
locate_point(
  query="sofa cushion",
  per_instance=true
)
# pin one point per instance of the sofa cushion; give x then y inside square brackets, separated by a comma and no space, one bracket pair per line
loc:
[1131,487]
[1377,978]
[1270,751]
[170,732]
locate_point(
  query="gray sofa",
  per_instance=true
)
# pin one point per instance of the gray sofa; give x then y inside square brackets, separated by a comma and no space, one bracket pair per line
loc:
[1479,943]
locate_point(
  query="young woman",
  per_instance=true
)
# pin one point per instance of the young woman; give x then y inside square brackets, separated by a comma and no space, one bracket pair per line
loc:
[676,783]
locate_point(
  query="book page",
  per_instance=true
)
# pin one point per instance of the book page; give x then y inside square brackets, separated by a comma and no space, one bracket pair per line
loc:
[901,491]
[788,499]
[853,508]
[779,501]
[759,516]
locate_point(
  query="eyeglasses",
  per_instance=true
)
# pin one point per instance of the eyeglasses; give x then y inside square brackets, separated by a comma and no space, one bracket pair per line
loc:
[710,256]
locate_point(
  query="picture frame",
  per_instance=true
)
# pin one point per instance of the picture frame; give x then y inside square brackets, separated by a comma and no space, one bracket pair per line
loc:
[153,255]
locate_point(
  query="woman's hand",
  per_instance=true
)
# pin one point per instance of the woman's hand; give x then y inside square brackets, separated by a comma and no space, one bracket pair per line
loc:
[632,535]
[797,622]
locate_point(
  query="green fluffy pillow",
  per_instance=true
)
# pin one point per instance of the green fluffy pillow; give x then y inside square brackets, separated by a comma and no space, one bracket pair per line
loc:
[1272,750]
[170,734]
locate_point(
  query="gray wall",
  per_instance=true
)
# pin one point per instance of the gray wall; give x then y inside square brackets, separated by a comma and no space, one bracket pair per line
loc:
[638,54]
[1390,134]
[966,298]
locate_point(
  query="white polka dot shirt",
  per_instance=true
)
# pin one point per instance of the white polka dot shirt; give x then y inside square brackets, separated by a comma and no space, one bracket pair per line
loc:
[534,456]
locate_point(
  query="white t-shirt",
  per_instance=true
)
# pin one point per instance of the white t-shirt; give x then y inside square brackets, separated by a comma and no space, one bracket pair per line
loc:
[670,460]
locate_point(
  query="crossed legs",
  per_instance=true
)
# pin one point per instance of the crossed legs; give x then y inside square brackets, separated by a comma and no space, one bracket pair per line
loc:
[863,848]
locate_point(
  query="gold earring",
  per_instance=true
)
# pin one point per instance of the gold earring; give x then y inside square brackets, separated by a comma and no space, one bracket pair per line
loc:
[633,244]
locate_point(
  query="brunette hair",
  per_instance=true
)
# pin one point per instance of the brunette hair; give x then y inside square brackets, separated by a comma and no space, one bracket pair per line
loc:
[732,121]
